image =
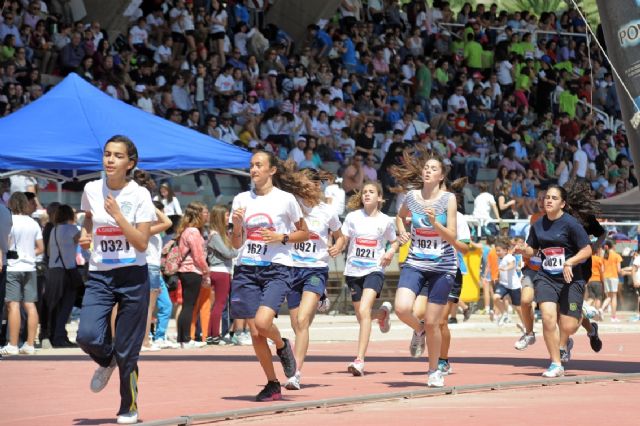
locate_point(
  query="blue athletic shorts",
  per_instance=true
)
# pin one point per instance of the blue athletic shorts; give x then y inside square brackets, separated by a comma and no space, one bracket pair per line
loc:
[374,280]
[435,285]
[306,279]
[502,291]
[255,286]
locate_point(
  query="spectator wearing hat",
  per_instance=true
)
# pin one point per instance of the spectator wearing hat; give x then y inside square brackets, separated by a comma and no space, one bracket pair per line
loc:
[297,154]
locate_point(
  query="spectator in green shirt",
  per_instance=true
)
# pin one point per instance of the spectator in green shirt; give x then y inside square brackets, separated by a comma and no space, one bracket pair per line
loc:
[473,54]
[568,102]
[423,82]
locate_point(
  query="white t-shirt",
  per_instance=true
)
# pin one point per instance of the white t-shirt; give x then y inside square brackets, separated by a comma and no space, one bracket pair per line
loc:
[583,162]
[504,73]
[636,263]
[217,28]
[111,250]
[278,211]
[170,208]
[154,250]
[482,205]
[321,220]
[138,35]
[177,20]
[224,82]
[21,183]
[24,234]
[457,102]
[64,235]
[6,222]
[368,237]
[510,278]
[163,54]
[337,196]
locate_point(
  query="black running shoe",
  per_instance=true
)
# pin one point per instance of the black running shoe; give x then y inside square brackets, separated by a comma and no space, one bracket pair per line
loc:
[467,314]
[594,341]
[271,392]
[452,320]
[287,359]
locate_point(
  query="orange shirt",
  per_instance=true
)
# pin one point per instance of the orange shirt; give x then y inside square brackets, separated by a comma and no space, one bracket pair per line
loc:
[493,264]
[596,264]
[611,264]
[534,219]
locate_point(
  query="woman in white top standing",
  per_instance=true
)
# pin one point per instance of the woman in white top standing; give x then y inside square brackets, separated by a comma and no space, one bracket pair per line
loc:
[118,217]
[368,230]
[265,222]
[172,207]
[154,251]
[218,28]
[25,243]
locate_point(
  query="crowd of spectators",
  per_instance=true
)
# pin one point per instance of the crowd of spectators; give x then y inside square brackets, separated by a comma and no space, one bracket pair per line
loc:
[482,87]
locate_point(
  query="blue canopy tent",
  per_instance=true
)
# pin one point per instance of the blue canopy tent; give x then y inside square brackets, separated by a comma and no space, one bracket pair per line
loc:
[61,135]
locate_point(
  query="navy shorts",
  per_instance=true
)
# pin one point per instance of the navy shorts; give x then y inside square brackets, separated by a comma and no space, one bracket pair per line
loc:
[374,280]
[255,286]
[435,285]
[306,279]
[456,290]
[514,293]
[569,297]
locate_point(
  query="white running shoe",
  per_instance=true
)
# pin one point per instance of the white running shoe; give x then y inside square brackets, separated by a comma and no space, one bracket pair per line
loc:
[418,343]
[385,322]
[245,339]
[356,367]
[9,350]
[436,379]
[166,344]
[525,340]
[192,344]
[293,383]
[101,376]
[153,347]
[27,349]
[129,418]
[554,370]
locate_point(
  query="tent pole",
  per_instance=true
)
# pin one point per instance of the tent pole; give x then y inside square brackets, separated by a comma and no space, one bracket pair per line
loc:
[59,190]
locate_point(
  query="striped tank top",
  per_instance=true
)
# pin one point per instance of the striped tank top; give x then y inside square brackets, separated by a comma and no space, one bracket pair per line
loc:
[429,251]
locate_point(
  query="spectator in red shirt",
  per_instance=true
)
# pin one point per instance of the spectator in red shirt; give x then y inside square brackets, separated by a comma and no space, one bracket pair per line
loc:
[569,129]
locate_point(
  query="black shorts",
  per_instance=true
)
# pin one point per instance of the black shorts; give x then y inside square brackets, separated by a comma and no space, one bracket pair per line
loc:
[456,289]
[569,297]
[596,289]
[357,285]
[217,36]
[514,293]
[178,37]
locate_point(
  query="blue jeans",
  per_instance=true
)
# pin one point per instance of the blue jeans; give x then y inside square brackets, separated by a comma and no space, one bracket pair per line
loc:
[163,305]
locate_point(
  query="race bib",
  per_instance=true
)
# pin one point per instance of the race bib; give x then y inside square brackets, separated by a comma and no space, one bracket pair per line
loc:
[364,253]
[427,244]
[255,250]
[554,260]
[113,247]
[306,251]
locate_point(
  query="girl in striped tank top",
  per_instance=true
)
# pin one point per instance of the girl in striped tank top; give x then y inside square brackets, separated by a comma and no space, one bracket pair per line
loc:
[431,265]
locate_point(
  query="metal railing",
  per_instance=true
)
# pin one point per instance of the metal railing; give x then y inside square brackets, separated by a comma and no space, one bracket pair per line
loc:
[480,224]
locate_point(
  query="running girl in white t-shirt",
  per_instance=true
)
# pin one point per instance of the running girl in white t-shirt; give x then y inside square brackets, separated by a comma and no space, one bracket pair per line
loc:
[118,216]
[431,264]
[369,231]
[265,222]
[311,272]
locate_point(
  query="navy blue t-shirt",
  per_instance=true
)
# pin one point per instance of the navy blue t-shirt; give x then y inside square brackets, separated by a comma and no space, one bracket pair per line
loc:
[557,241]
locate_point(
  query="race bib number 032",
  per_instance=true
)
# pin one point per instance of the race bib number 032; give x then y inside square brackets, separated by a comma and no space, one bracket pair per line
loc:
[113,246]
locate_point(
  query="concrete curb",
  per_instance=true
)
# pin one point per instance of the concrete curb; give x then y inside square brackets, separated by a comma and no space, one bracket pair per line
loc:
[188,420]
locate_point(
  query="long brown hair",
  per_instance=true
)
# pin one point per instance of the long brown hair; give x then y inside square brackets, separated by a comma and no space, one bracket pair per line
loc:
[170,193]
[408,175]
[218,223]
[289,179]
[192,218]
[355,201]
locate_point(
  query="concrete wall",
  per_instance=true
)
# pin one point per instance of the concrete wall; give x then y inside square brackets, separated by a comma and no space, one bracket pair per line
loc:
[109,13]
[293,16]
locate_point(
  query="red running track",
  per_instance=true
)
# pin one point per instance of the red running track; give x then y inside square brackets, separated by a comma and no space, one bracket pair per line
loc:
[54,389]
